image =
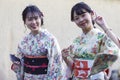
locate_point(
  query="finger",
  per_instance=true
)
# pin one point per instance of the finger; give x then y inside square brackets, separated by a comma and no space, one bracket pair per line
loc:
[95,14]
[99,18]
[16,62]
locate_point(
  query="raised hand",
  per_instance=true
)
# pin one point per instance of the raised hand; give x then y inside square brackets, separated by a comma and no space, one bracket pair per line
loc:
[99,20]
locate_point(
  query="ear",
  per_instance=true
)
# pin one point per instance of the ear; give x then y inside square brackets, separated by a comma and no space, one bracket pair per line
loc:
[93,15]
[92,12]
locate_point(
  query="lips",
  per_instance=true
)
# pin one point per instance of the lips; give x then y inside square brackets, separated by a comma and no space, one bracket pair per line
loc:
[82,23]
[33,27]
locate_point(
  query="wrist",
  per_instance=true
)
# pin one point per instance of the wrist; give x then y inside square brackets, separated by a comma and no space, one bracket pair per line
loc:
[107,29]
[103,26]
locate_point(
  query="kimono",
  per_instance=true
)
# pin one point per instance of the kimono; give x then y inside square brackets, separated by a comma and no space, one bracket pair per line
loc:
[37,46]
[84,50]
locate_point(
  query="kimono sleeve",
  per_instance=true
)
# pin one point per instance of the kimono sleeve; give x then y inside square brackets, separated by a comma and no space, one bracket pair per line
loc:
[108,46]
[55,61]
[20,50]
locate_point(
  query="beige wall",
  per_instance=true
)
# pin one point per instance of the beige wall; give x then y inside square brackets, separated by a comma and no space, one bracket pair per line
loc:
[57,21]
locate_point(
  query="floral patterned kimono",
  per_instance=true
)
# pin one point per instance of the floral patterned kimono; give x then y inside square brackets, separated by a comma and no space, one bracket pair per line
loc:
[84,49]
[36,46]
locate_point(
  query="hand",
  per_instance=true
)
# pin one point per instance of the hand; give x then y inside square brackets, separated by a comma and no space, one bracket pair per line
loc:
[15,67]
[66,52]
[99,20]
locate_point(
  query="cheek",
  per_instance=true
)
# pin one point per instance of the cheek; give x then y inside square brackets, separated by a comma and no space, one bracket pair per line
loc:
[77,22]
[39,22]
[90,18]
[27,23]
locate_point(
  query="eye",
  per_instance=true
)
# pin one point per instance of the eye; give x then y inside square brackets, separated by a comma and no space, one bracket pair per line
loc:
[76,18]
[36,17]
[30,19]
[83,15]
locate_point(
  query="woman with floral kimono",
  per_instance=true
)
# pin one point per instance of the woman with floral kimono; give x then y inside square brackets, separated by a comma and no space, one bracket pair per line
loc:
[80,55]
[39,52]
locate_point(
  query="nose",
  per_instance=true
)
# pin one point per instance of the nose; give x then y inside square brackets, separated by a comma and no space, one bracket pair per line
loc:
[80,19]
[33,21]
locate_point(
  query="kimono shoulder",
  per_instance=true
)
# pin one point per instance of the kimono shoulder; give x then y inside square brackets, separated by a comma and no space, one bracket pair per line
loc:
[44,34]
[48,34]
[77,39]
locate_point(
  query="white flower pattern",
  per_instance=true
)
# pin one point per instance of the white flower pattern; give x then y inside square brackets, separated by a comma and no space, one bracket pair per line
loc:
[36,46]
[93,42]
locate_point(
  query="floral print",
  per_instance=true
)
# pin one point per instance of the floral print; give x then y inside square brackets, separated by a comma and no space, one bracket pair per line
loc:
[93,42]
[36,46]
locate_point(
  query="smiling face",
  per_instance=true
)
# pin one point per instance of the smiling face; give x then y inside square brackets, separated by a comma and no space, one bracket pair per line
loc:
[82,15]
[83,20]
[33,18]
[33,22]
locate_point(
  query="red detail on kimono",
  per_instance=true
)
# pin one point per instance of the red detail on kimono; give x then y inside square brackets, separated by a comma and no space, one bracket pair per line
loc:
[82,68]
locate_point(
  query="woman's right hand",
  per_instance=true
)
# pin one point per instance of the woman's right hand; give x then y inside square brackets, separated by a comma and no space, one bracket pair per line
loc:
[66,54]
[66,51]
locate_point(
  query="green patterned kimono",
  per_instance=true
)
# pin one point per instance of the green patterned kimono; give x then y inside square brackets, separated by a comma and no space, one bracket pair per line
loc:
[85,48]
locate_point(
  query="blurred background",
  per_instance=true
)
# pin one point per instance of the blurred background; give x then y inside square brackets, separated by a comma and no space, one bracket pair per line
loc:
[56,20]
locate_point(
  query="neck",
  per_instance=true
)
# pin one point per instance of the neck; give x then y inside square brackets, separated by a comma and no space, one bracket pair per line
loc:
[87,29]
[35,32]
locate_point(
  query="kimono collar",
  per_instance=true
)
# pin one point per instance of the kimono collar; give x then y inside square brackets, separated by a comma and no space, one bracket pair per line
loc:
[91,33]
[41,31]
[35,35]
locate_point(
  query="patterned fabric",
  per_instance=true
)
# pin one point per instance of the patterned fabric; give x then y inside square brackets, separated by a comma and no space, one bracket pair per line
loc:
[35,46]
[102,62]
[93,42]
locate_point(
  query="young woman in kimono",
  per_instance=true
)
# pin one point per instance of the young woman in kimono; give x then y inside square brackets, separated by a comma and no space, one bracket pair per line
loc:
[80,55]
[102,23]
[39,52]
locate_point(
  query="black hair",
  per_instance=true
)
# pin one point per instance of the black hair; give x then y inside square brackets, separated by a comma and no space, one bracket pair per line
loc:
[80,8]
[32,9]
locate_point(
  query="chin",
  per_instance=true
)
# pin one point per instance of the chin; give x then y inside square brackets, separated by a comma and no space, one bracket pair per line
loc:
[35,30]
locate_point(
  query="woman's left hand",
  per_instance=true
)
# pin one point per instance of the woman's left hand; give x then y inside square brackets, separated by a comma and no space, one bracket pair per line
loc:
[16,67]
[99,20]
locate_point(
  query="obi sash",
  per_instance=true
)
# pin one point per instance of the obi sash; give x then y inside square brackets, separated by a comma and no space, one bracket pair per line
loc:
[82,68]
[35,64]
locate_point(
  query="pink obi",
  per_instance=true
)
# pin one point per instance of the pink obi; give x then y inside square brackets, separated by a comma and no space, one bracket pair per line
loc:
[82,68]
